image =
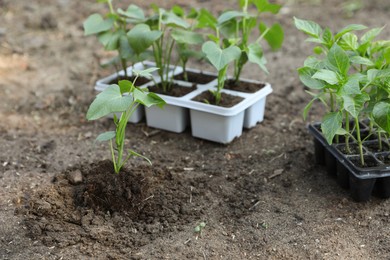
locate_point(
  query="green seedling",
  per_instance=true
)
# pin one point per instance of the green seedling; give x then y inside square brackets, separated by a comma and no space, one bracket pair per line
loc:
[198,229]
[237,27]
[220,59]
[124,32]
[350,76]
[124,99]
[172,28]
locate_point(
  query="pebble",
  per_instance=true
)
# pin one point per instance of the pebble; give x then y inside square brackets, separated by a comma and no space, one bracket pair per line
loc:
[75,177]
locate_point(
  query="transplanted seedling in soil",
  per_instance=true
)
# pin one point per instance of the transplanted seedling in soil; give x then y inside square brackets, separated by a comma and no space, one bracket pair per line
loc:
[124,99]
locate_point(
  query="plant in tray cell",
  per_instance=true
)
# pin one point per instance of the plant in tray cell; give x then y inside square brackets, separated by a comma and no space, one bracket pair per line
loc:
[124,99]
[220,57]
[187,40]
[173,29]
[124,32]
[345,79]
[238,26]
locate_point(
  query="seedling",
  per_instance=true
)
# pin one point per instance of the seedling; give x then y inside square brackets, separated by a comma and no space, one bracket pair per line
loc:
[349,79]
[198,229]
[124,32]
[172,28]
[124,99]
[237,27]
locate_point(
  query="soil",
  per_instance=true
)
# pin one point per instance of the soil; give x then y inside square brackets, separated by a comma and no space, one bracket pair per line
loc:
[247,87]
[175,91]
[261,197]
[199,78]
[139,82]
[226,99]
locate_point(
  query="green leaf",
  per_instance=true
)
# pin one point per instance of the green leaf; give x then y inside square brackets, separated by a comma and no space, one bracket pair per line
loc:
[110,40]
[141,37]
[370,35]
[306,76]
[218,57]
[274,36]
[147,99]
[133,12]
[349,41]
[313,62]
[255,55]
[307,108]
[349,28]
[229,15]
[125,51]
[107,102]
[354,105]
[351,87]
[331,123]
[308,27]
[327,37]
[147,73]
[171,19]
[381,115]
[206,20]
[338,58]
[125,86]
[187,37]
[96,24]
[265,6]
[106,136]
[139,155]
[361,61]
[328,76]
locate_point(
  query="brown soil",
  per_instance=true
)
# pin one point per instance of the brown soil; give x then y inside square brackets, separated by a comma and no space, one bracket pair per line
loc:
[226,99]
[247,87]
[195,77]
[140,80]
[261,197]
[175,91]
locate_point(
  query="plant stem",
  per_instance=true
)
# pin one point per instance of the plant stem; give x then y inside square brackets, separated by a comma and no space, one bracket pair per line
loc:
[347,136]
[124,67]
[221,83]
[359,141]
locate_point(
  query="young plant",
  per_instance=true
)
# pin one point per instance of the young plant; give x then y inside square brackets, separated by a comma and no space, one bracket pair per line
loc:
[344,78]
[124,99]
[237,27]
[111,30]
[187,39]
[220,59]
[172,27]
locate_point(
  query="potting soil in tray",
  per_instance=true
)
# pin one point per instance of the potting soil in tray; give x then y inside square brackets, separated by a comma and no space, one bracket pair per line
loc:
[372,179]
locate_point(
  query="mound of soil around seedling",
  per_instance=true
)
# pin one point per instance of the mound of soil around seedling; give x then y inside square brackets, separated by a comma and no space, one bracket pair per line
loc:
[92,204]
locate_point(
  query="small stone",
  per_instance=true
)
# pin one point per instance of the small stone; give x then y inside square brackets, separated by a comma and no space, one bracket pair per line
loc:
[75,177]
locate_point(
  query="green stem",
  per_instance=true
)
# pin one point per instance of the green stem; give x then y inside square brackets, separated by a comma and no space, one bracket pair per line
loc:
[221,82]
[359,141]
[124,67]
[347,136]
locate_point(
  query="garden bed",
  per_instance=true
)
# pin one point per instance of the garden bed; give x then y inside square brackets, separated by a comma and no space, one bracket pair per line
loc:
[261,197]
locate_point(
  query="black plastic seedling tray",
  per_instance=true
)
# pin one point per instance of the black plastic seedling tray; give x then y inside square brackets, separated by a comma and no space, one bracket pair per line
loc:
[363,182]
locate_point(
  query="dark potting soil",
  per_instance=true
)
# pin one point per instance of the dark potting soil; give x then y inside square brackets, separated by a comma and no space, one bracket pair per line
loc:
[368,161]
[140,81]
[199,78]
[247,87]
[92,204]
[175,91]
[226,99]
[353,147]
[385,158]
[373,146]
